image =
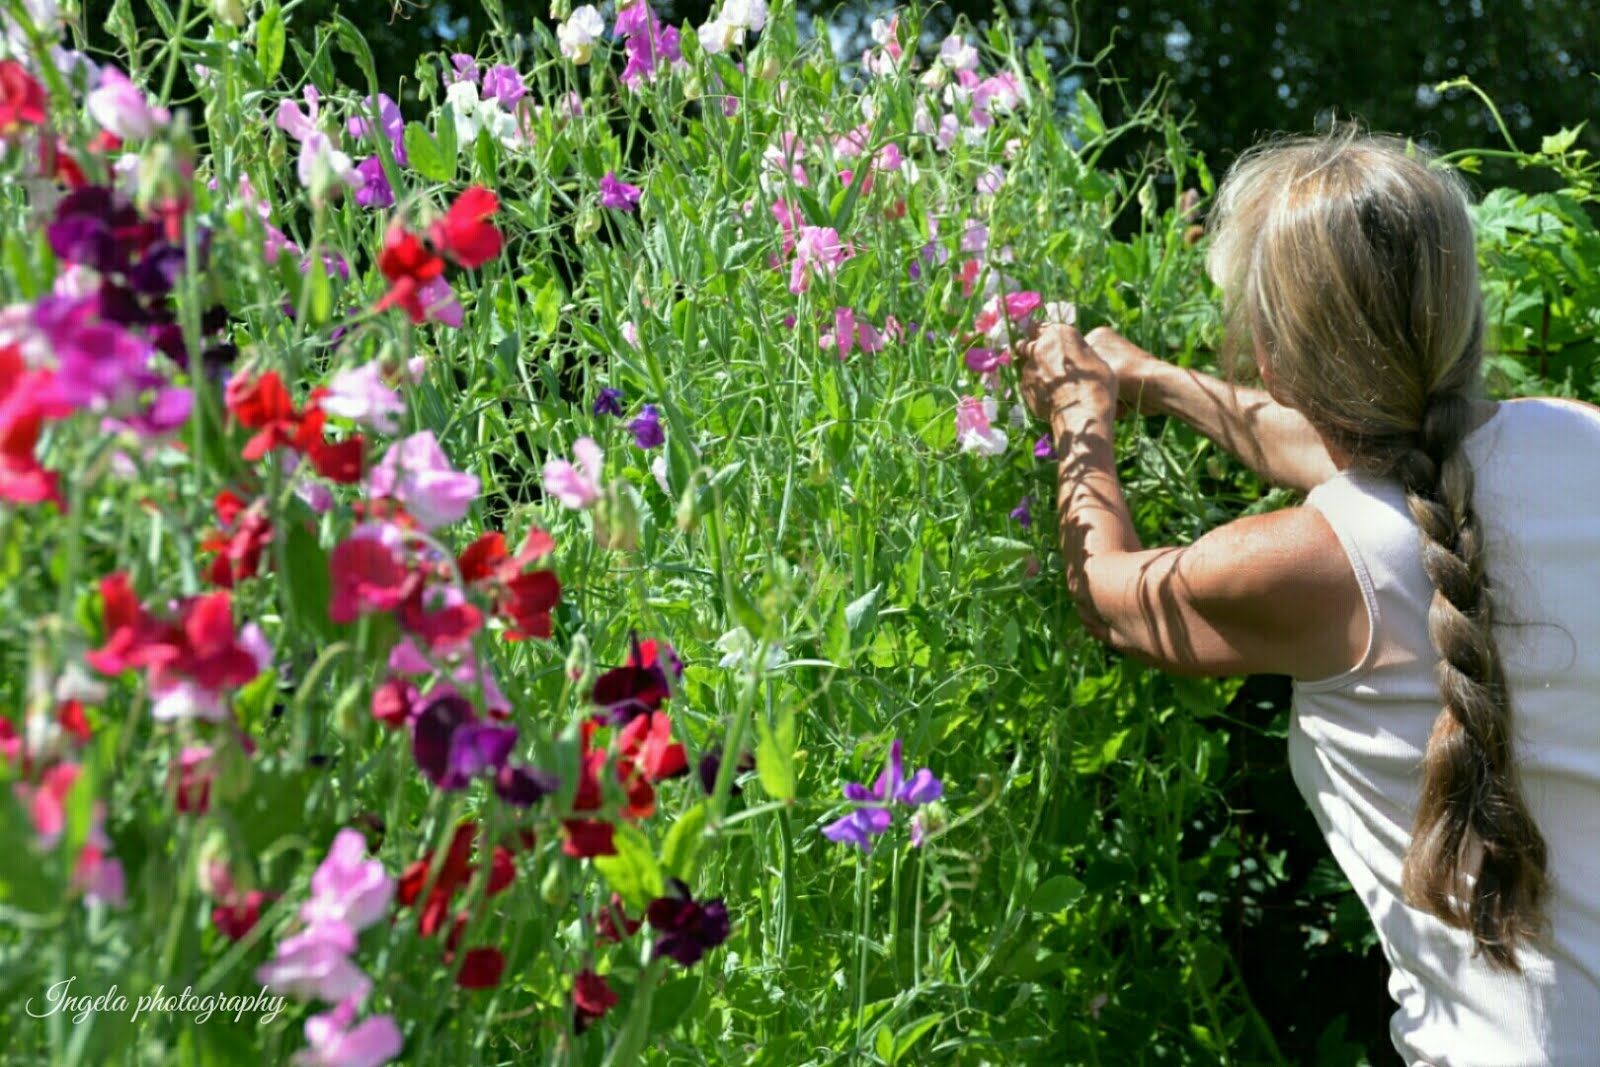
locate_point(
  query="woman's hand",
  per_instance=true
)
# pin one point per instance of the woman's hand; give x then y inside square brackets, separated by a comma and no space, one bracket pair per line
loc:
[1060,371]
[1135,370]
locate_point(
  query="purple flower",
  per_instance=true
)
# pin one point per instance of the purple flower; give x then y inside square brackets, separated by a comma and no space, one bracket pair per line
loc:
[374,190]
[633,18]
[1043,449]
[1023,513]
[645,48]
[348,888]
[874,816]
[503,83]
[416,473]
[335,1043]
[609,402]
[619,196]
[687,929]
[646,429]
[452,746]
[315,965]
[711,764]
[466,68]
[393,124]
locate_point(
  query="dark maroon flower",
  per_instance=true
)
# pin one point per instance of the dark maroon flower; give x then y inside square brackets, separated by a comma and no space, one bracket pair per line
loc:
[687,928]
[711,763]
[591,998]
[452,747]
[639,686]
[524,787]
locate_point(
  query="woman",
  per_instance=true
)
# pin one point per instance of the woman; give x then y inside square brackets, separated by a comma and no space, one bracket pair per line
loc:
[1450,752]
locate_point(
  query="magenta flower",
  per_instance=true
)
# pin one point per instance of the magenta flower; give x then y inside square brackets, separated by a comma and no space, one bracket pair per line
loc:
[334,1042]
[392,122]
[504,84]
[121,107]
[576,487]
[617,195]
[315,965]
[416,473]
[439,303]
[296,123]
[633,18]
[466,68]
[348,888]
[646,429]
[374,190]
[1043,449]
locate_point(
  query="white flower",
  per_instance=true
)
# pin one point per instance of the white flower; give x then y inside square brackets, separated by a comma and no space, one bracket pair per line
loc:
[1060,312]
[579,33]
[467,108]
[739,649]
[322,166]
[658,470]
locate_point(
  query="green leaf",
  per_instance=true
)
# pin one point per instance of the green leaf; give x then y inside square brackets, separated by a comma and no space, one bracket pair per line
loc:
[321,292]
[547,308]
[861,614]
[775,756]
[1556,144]
[683,843]
[308,579]
[1056,894]
[426,159]
[632,873]
[270,42]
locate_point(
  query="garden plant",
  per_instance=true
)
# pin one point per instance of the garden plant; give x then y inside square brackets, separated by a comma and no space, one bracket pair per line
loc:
[546,562]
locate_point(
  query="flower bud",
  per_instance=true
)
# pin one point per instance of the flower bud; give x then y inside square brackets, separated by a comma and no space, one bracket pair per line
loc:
[231,12]
[688,509]
[580,662]
[588,223]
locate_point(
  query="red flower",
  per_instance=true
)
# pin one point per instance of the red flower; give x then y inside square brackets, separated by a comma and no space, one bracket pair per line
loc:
[211,653]
[647,746]
[454,874]
[366,576]
[482,559]
[591,999]
[612,924]
[236,918]
[244,533]
[393,702]
[585,838]
[481,969]
[70,717]
[339,461]
[263,405]
[464,234]
[22,98]
[408,265]
[27,398]
[133,639]
[528,600]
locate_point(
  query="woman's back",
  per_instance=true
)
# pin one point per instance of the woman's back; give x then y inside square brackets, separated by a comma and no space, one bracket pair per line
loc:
[1357,740]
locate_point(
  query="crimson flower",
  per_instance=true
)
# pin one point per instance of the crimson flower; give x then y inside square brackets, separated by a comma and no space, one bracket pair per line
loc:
[263,405]
[27,398]
[465,234]
[612,924]
[366,576]
[244,531]
[454,873]
[22,98]
[591,999]
[525,598]
[237,917]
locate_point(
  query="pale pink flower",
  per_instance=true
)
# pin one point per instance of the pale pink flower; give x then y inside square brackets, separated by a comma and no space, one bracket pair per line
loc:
[576,486]
[334,1042]
[121,107]
[975,430]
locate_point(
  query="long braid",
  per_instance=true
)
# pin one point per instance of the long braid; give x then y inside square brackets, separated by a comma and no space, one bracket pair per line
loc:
[1471,818]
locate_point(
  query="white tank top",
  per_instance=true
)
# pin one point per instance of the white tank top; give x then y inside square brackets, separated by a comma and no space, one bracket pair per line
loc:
[1356,740]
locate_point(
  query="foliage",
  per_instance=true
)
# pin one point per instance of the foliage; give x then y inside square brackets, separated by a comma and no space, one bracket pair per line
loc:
[836,564]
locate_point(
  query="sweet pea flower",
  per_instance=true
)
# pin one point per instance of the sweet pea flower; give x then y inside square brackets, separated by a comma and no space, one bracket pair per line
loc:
[315,965]
[818,250]
[990,181]
[391,122]
[646,429]
[957,54]
[348,888]
[416,473]
[873,815]
[1043,448]
[321,166]
[465,68]
[579,33]
[609,402]
[974,429]
[617,195]
[334,1042]
[630,334]
[736,18]
[296,123]
[503,84]
[1023,512]
[576,487]
[121,108]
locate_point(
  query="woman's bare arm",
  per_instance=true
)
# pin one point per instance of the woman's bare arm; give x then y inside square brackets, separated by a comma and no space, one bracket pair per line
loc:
[1274,441]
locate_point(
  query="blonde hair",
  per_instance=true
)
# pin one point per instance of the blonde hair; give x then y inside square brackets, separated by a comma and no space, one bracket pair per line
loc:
[1347,265]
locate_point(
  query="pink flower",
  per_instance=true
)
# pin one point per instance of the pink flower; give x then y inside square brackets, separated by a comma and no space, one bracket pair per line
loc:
[121,108]
[974,429]
[348,888]
[335,1043]
[321,165]
[818,250]
[360,395]
[439,303]
[416,473]
[990,181]
[296,123]
[315,964]
[577,487]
